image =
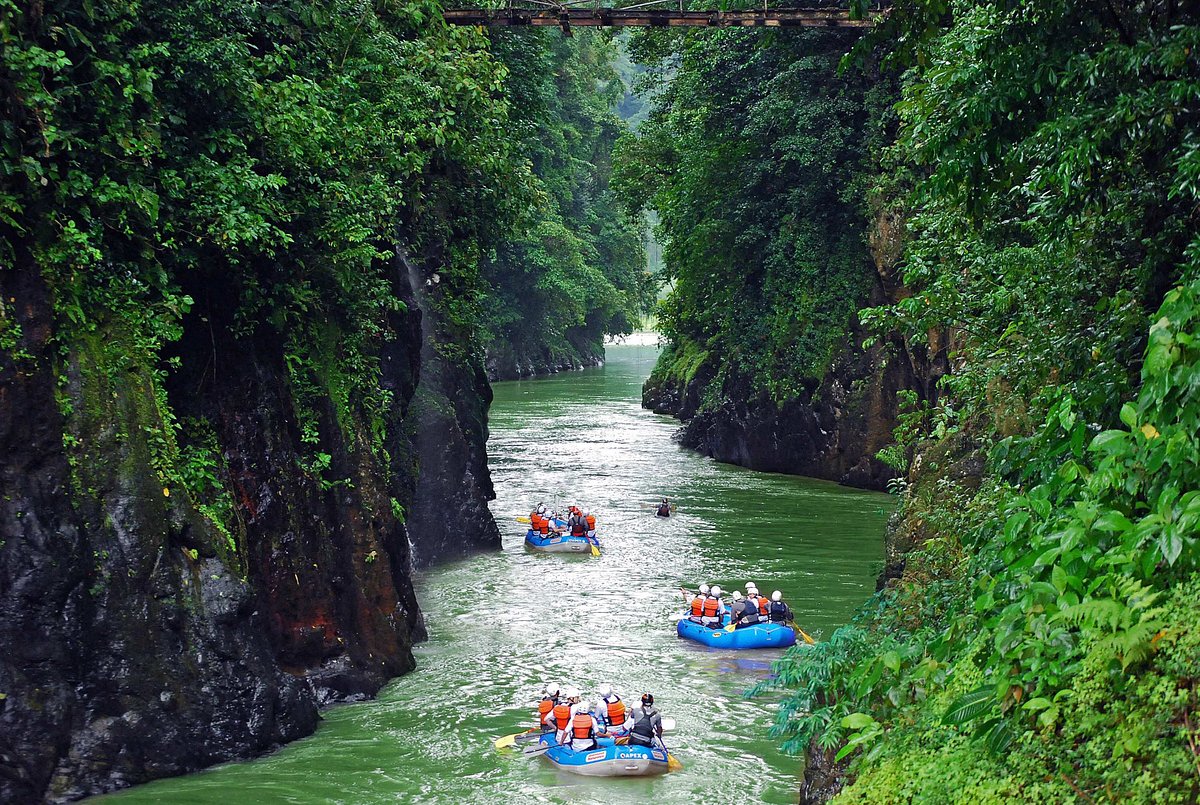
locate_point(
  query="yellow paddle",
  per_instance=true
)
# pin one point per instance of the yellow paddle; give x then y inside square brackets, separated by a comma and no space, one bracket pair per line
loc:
[732,627]
[523,520]
[511,740]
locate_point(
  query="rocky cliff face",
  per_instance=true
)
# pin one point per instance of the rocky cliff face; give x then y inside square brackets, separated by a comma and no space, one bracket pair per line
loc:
[449,516]
[144,636]
[527,354]
[834,430]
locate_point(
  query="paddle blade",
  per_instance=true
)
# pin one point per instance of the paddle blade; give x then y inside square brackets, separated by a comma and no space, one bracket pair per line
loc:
[540,749]
[595,550]
[804,634]
[522,519]
[506,741]
[673,763]
[731,627]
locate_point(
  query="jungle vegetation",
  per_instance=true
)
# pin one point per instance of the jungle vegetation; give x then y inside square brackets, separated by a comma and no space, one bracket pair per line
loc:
[575,269]
[1041,643]
[755,155]
[1041,174]
[289,154]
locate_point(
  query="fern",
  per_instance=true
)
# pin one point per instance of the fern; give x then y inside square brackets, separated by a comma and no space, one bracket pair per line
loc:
[1094,615]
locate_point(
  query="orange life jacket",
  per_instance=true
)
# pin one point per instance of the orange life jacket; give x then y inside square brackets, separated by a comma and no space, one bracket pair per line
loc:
[544,524]
[616,713]
[591,521]
[582,726]
[762,605]
[535,522]
[544,708]
[711,607]
[697,605]
[562,715]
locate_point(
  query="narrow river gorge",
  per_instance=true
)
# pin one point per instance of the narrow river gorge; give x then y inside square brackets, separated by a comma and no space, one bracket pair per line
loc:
[501,624]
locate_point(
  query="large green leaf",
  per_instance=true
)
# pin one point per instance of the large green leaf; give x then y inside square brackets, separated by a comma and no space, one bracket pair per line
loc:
[970,706]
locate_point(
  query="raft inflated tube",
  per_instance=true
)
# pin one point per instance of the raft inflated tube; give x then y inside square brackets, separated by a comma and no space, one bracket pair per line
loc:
[558,543]
[609,760]
[760,635]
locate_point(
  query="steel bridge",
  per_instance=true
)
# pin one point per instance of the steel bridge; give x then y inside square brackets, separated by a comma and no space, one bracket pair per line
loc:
[655,14]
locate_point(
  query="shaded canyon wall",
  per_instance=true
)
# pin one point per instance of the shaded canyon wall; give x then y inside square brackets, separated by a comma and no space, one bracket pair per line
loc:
[141,639]
[834,430]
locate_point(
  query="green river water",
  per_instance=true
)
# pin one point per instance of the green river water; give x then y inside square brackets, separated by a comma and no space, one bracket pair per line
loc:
[583,437]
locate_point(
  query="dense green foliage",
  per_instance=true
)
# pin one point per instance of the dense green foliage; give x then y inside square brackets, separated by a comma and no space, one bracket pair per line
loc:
[270,154]
[575,271]
[754,158]
[1040,644]
[273,162]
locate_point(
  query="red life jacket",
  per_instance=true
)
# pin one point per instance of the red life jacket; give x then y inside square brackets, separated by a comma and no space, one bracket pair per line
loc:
[697,606]
[616,712]
[582,726]
[535,522]
[762,605]
[711,607]
[562,715]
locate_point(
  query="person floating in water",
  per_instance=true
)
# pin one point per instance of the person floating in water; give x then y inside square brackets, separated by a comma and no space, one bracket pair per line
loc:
[664,508]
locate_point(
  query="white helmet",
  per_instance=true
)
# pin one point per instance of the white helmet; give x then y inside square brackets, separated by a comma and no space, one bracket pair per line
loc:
[703,589]
[775,596]
[751,587]
[571,693]
[605,691]
[716,592]
[552,689]
[737,595]
[585,706]
[586,512]
[541,509]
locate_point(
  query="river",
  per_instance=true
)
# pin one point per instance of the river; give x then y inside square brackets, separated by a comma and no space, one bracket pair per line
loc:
[501,624]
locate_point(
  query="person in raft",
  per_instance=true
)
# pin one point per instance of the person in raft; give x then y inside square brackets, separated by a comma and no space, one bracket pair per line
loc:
[539,520]
[612,710]
[647,723]
[584,731]
[577,524]
[664,508]
[713,613]
[760,601]
[695,603]
[777,611]
[546,706]
[744,611]
[560,716]
[591,524]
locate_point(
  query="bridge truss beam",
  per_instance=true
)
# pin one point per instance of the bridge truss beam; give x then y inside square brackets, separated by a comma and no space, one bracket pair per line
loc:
[566,18]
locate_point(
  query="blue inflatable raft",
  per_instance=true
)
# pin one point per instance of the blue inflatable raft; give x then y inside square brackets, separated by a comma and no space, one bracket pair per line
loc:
[760,635]
[608,759]
[558,543]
